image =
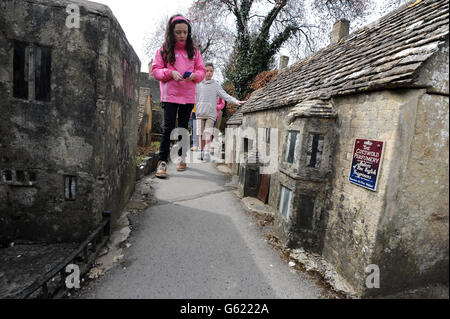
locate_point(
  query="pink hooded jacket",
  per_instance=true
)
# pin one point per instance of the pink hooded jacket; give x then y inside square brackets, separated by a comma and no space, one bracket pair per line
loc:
[182,92]
[220,106]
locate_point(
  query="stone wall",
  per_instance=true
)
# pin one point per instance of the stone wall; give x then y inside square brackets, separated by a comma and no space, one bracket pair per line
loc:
[118,71]
[146,80]
[366,227]
[270,119]
[413,232]
[353,211]
[85,130]
[145,117]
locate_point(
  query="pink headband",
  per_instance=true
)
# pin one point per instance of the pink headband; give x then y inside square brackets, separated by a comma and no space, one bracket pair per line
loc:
[179,18]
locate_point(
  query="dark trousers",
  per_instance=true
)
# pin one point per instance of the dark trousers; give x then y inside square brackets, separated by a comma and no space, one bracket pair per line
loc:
[170,116]
[191,122]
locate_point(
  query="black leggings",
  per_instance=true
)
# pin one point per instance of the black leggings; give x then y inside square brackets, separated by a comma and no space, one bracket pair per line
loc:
[170,115]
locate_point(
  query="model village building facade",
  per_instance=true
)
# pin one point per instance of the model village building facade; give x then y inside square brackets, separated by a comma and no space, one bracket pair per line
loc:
[68,138]
[363,150]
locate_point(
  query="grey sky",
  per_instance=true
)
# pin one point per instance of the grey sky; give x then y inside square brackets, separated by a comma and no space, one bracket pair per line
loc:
[139,17]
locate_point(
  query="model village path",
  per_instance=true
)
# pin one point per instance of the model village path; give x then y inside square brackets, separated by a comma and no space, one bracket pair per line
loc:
[197,241]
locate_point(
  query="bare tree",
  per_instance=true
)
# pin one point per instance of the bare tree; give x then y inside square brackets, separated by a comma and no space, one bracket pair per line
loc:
[264,26]
[243,37]
[212,33]
[154,41]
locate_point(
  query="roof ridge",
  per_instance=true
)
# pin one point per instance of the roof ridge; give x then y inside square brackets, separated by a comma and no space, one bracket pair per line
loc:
[372,57]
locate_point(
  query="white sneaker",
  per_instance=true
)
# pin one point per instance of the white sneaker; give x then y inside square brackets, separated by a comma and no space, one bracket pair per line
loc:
[206,156]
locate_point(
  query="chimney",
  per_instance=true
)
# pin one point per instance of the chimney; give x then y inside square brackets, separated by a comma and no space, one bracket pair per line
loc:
[340,30]
[284,61]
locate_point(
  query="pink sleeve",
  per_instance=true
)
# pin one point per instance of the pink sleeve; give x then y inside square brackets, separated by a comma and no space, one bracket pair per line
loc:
[159,71]
[199,67]
[220,104]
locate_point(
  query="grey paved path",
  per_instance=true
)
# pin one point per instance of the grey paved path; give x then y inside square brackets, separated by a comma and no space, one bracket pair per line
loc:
[198,242]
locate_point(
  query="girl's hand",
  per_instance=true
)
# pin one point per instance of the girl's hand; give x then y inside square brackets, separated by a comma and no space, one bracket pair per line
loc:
[241,102]
[191,77]
[177,76]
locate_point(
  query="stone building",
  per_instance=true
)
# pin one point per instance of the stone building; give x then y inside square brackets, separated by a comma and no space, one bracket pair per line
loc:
[363,175]
[69,106]
[149,88]
[232,144]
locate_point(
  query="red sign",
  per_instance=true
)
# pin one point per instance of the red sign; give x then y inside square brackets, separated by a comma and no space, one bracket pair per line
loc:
[366,163]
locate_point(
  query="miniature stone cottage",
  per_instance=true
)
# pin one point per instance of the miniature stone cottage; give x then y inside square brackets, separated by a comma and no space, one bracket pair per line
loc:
[69,105]
[149,89]
[363,157]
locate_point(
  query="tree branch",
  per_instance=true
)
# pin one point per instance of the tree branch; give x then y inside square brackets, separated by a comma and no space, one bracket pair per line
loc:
[283,37]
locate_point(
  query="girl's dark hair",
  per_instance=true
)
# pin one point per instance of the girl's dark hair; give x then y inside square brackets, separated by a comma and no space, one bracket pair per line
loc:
[168,49]
[209,64]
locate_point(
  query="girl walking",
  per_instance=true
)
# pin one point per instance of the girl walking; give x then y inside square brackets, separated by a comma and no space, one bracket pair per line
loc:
[179,66]
[206,111]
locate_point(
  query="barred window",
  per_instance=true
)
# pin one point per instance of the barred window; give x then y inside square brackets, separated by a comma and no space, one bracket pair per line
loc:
[292,145]
[314,150]
[21,72]
[70,187]
[39,71]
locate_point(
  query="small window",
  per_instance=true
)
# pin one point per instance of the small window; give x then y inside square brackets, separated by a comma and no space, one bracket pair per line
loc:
[32,176]
[248,143]
[285,202]
[306,213]
[70,187]
[267,135]
[241,175]
[7,175]
[23,70]
[42,73]
[20,66]
[20,176]
[314,151]
[292,144]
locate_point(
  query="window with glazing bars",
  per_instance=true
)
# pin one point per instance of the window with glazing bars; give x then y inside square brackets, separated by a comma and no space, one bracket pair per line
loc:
[23,71]
[291,150]
[314,150]
[285,202]
[70,187]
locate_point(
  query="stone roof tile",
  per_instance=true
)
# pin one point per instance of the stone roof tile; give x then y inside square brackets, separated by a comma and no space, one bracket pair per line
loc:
[384,54]
[236,118]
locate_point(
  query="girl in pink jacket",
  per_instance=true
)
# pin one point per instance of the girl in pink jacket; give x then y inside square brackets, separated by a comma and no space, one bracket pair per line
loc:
[179,66]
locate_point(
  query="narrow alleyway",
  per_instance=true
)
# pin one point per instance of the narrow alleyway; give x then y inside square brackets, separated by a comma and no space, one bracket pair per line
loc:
[197,241]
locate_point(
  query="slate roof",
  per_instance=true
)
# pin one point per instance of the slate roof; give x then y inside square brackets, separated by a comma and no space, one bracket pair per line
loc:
[236,118]
[385,54]
[312,108]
